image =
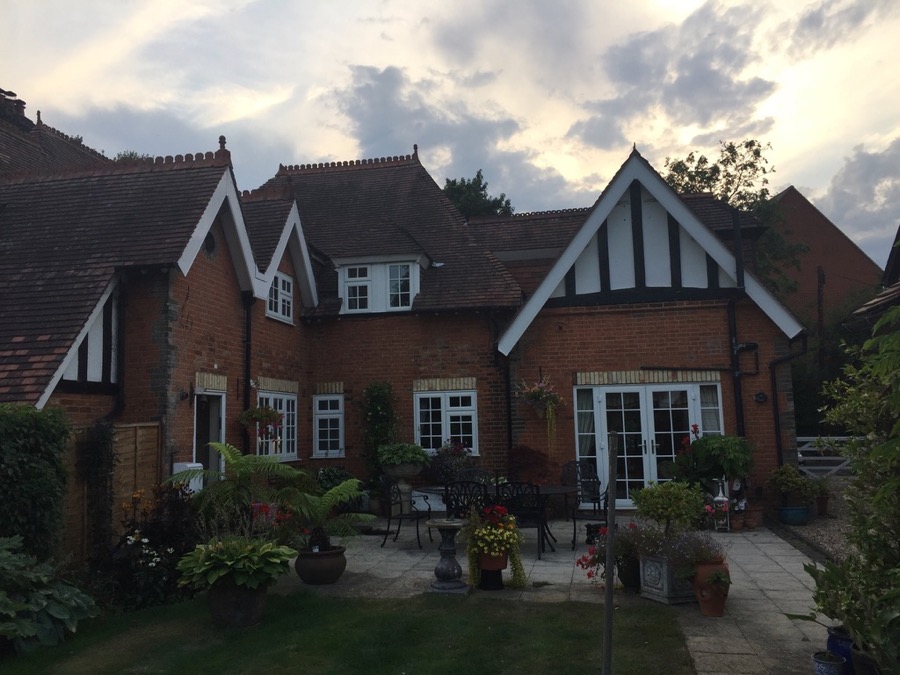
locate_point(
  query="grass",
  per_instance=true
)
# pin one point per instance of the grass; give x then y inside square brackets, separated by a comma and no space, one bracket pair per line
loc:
[305,632]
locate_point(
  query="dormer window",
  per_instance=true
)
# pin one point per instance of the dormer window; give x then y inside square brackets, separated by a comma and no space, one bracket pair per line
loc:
[378,286]
[280,304]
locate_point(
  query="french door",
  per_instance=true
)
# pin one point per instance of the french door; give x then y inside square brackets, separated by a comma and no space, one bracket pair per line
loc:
[650,423]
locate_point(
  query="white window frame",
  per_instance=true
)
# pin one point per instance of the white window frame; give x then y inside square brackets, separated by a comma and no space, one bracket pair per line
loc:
[451,411]
[284,445]
[280,301]
[380,282]
[330,414]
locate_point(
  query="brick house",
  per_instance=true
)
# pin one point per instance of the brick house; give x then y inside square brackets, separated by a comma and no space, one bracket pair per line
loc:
[161,296]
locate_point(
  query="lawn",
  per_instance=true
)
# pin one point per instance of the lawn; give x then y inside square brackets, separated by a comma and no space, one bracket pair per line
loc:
[305,632]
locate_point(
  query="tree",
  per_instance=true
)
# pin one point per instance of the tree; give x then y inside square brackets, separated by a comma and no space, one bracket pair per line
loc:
[472,199]
[740,177]
[129,155]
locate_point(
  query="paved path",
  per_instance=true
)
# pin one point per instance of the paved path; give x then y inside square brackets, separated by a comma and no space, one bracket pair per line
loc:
[753,637]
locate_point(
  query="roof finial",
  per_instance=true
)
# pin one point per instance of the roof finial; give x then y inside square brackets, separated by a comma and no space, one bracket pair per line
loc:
[221,142]
[415,149]
[39,123]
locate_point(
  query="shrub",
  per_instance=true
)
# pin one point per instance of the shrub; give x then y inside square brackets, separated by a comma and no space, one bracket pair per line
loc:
[794,487]
[140,571]
[447,461]
[402,453]
[32,445]
[672,505]
[36,607]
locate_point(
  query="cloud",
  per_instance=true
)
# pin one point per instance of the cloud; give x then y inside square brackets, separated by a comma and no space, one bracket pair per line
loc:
[863,198]
[692,74]
[387,112]
[830,22]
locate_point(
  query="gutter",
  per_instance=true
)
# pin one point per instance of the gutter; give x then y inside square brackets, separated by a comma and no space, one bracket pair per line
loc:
[247,297]
[732,323]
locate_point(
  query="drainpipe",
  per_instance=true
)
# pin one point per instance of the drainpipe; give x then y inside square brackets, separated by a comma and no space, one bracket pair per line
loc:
[773,367]
[248,299]
[732,323]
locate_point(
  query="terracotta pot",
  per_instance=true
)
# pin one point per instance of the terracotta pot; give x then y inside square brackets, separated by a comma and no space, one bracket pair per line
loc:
[822,505]
[711,597]
[492,562]
[321,567]
[236,606]
[753,517]
[737,521]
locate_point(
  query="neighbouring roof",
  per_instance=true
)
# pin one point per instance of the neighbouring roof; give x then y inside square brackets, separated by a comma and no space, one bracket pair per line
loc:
[62,239]
[890,296]
[27,146]
[387,207]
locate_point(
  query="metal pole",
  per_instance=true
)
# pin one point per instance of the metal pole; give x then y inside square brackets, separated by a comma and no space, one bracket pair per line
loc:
[613,455]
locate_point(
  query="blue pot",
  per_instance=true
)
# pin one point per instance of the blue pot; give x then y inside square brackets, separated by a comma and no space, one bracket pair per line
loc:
[840,643]
[793,515]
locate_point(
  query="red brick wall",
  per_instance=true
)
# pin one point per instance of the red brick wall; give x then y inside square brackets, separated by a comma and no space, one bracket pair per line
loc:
[82,410]
[360,350]
[564,341]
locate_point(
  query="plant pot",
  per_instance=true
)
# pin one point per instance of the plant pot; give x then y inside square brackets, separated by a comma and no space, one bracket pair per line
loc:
[658,582]
[236,606]
[321,567]
[863,664]
[822,505]
[826,663]
[492,562]
[793,515]
[629,573]
[712,599]
[840,643]
[737,521]
[753,517]
[405,470]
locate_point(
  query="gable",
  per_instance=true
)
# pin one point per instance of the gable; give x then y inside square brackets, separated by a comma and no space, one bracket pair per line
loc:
[641,243]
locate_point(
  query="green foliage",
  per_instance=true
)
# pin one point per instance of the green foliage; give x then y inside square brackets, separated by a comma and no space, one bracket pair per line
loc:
[140,571]
[673,504]
[96,464]
[709,458]
[226,505]
[719,578]
[863,591]
[130,155]
[472,199]
[33,476]
[36,607]
[244,562]
[329,476]
[739,177]
[795,488]
[379,420]
[322,515]
[402,453]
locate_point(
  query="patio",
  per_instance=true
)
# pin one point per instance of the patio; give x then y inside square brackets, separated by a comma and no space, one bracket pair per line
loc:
[753,637]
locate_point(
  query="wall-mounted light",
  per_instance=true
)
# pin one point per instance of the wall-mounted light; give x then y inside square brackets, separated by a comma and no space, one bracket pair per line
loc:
[760,397]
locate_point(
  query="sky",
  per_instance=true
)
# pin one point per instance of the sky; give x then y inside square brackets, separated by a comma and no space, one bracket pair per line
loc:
[546,97]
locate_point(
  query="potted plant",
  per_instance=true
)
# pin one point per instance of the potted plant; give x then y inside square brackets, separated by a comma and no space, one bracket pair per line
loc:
[796,492]
[823,493]
[447,462]
[315,518]
[626,552]
[712,592]
[666,562]
[494,540]
[826,663]
[236,573]
[402,461]
[543,397]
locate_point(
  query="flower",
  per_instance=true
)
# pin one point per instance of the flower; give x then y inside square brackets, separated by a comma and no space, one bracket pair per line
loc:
[541,393]
[627,544]
[495,532]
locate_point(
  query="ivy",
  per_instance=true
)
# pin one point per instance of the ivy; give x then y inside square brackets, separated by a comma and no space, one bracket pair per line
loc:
[379,420]
[96,465]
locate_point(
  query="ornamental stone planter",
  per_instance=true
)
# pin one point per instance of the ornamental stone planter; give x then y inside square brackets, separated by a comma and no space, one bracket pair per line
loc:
[658,582]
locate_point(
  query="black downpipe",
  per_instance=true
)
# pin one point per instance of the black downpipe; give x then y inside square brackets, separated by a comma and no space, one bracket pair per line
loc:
[732,323]
[248,299]
[736,368]
[773,368]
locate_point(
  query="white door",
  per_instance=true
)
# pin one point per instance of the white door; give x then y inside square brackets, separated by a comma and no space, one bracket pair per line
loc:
[651,423]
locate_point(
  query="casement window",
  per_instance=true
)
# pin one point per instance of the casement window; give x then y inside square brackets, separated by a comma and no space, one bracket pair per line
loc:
[279,441]
[328,426]
[280,304]
[358,288]
[447,416]
[378,286]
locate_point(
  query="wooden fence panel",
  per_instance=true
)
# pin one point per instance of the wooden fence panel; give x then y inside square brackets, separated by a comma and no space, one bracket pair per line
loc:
[139,468]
